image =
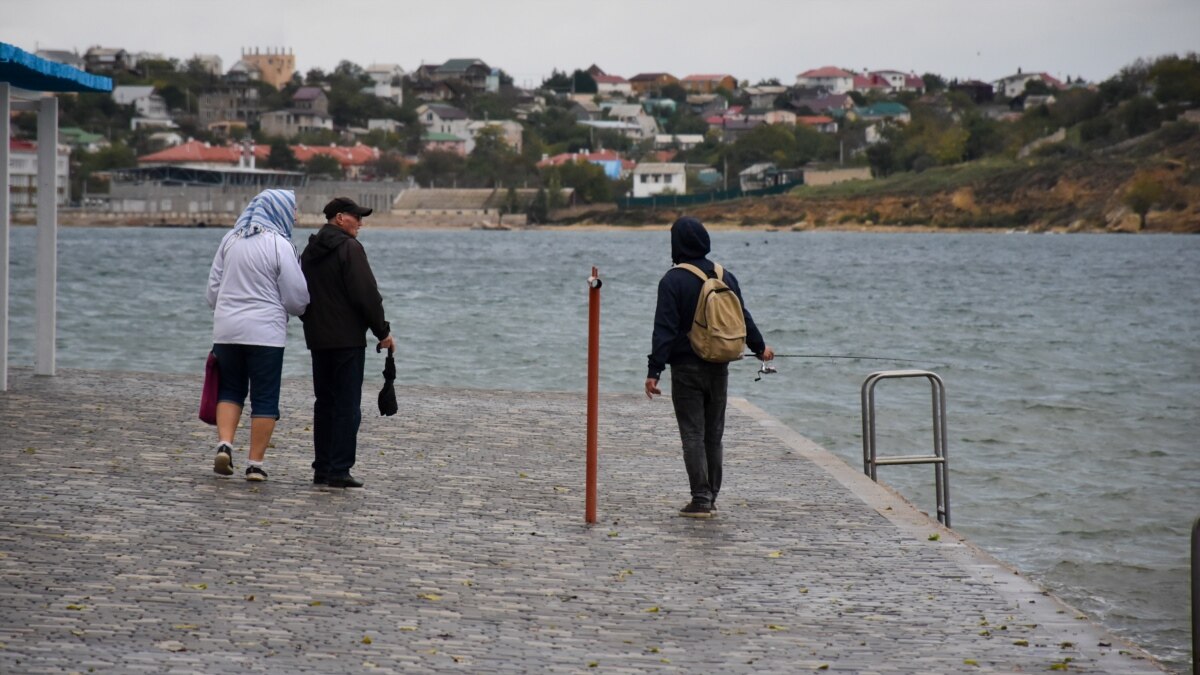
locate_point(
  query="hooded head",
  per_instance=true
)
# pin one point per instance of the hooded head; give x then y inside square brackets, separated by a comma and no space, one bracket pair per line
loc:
[273,210]
[689,240]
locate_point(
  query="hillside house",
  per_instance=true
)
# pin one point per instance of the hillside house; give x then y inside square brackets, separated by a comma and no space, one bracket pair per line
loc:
[293,122]
[643,125]
[823,104]
[651,179]
[107,60]
[764,175]
[611,86]
[828,78]
[883,111]
[437,141]
[888,81]
[709,84]
[706,105]
[822,123]
[273,65]
[143,99]
[651,83]
[677,141]
[614,166]
[239,104]
[69,58]
[764,96]
[444,119]
[311,98]
[474,72]
[1014,85]
[387,81]
[510,132]
[23,174]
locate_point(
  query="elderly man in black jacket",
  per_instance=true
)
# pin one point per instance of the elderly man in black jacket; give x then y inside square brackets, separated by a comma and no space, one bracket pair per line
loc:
[345,303]
[698,387]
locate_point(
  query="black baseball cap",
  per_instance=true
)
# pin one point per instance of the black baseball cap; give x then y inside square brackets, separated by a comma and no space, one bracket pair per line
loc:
[345,205]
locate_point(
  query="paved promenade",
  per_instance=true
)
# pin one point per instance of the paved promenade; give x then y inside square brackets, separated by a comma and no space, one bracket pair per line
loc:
[121,551]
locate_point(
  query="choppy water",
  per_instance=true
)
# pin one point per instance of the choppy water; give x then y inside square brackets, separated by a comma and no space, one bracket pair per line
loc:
[1072,363]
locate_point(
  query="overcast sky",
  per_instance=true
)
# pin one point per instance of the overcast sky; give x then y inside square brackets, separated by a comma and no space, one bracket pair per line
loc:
[749,39]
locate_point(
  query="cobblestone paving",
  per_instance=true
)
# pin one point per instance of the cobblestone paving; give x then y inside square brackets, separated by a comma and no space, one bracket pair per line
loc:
[121,551]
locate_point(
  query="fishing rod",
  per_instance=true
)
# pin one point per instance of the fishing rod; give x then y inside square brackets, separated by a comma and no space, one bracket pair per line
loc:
[843,356]
[765,368]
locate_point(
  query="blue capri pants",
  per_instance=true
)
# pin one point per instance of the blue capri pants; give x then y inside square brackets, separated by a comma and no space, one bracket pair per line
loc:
[250,368]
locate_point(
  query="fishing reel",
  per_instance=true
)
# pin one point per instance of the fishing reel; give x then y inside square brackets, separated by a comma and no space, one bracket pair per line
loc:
[765,368]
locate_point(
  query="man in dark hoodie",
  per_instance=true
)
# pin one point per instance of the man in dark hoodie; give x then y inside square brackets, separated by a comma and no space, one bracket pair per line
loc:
[344,304]
[698,387]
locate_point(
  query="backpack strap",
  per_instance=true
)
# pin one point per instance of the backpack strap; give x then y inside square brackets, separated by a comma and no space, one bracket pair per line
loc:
[700,273]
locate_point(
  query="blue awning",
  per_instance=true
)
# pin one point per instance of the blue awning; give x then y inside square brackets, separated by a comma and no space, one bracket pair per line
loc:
[27,71]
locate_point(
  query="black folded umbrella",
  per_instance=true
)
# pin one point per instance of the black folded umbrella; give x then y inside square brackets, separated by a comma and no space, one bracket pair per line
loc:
[387,395]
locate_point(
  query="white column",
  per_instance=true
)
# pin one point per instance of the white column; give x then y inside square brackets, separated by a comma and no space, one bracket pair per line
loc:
[46,296]
[5,98]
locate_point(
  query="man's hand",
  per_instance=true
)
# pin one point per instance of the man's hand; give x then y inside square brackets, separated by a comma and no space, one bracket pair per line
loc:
[386,343]
[652,388]
[766,355]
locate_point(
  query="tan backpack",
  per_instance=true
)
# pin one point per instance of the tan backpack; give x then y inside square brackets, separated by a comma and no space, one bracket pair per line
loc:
[718,331]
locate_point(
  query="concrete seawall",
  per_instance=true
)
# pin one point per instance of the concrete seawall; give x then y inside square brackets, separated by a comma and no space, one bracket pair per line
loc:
[121,551]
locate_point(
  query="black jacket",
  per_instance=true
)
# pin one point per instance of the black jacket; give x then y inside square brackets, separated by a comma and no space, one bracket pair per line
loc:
[678,293]
[344,298]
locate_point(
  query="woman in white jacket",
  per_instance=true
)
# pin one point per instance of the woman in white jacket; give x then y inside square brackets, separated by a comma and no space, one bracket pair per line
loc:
[254,284]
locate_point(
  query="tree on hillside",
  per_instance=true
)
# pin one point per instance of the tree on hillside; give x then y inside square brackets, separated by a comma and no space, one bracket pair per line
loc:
[325,166]
[1141,115]
[589,180]
[1176,79]
[389,165]
[933,83]
[1143,192]
[281,157]
[491,159]
[675,92]
[579,82]
[440,168]
[539,209]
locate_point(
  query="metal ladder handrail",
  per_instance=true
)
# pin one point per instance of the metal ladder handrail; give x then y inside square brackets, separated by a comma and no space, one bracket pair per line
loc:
[939,458]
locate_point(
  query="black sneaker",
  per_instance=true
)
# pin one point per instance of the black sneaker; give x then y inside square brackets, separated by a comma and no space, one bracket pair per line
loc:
[346,481]
[223,463]
[320,479]
[694,510]
[256,474]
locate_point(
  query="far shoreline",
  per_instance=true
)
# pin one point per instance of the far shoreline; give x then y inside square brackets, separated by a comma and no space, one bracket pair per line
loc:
[716,226]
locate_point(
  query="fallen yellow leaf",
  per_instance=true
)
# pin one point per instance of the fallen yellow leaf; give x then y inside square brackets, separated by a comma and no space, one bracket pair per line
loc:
[432,597]
[775,554]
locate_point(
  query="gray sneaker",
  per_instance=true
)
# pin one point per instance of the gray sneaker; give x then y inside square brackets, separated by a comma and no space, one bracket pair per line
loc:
[223,463]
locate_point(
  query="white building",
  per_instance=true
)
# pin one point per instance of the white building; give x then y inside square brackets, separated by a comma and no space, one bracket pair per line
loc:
[830,78]
[632,114]
[510,132]
[290,123]
[681,141]
[652,178]
[23,179]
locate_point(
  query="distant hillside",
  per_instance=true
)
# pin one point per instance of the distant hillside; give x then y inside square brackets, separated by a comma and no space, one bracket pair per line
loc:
[1060,191]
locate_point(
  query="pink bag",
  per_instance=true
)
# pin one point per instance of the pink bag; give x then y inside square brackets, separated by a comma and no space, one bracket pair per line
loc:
[208,397]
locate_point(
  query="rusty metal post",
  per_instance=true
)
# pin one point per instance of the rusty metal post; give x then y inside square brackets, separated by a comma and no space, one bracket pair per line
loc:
[593,401]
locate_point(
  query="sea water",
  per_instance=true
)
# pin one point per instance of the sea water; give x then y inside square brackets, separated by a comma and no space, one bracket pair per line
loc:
[1072,363]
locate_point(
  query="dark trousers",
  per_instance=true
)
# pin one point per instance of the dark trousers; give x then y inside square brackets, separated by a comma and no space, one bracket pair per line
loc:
[337,383]
[698,392]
